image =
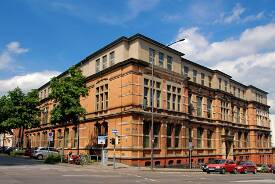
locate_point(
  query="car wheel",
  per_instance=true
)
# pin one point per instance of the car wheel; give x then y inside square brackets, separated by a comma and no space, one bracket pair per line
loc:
[255,171]
[208,172]
[245,171]
[40,157]
[223,171]
[235,171]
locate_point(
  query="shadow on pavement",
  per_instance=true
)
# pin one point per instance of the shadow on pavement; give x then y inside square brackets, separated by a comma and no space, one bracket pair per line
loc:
[6,160]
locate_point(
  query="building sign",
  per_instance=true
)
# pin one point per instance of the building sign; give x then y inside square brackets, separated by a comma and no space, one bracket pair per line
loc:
[101,139]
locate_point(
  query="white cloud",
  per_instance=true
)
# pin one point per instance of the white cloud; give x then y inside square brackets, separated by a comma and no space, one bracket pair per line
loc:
[236,16]
[248,58]
[251,41]
[237,11]
[26,82]
[10,51]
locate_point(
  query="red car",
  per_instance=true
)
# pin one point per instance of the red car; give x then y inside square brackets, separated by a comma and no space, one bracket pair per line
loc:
[28,151]
[222,166]
[246,166]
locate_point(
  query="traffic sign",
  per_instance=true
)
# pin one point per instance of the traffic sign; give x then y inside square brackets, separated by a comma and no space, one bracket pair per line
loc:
[101,139]
[114,131]
[50,136]
[190,146]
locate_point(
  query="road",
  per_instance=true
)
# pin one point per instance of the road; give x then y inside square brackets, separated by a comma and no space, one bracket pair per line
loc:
[27,171]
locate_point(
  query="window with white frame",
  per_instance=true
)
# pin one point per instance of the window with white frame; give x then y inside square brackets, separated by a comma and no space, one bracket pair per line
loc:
[161,59]
[112,58]
[151,56]
[169,63]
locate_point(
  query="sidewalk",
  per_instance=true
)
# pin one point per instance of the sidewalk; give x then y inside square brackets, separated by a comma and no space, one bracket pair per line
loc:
[120,166]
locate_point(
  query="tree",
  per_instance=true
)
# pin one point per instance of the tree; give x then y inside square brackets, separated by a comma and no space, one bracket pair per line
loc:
[19,110]
[66,92]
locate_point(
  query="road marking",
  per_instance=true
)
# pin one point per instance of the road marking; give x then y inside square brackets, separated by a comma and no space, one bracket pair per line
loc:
[87,175]
[255,181]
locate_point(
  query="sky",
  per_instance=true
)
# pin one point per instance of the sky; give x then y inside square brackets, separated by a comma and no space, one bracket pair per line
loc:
[40,39]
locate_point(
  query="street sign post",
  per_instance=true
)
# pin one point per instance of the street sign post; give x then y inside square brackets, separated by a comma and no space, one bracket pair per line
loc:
[114,131]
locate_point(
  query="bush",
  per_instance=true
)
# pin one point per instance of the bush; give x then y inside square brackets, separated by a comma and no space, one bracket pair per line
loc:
[17,153]
[52,159]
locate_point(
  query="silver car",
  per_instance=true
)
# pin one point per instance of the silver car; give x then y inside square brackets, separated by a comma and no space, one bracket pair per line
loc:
[42,152]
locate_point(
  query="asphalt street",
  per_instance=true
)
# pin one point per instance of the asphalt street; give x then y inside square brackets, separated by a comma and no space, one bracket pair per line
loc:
[27,171]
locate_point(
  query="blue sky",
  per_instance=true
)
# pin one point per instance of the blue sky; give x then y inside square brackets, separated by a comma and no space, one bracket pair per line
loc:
[58,33]
[41,38]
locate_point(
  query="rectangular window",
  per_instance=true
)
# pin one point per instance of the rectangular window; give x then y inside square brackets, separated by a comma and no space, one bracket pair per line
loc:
[199,137]
[202,79]
[225,85]
[194,75]
[66,138]
[186,70]
[169,135]
[209,138]
[102,97]
[75,143]
[238,115]
[151,56]
[168,100]
[104,62]
[210,81]
[199,106]
[209,108]
[156,134]
[179,100]
[161,59]
[148,94]
[177,135]
[220,83]
[97,67]
[169,63]
[234,91]
[112,58]
[146,134]
[239,92]
[174,102]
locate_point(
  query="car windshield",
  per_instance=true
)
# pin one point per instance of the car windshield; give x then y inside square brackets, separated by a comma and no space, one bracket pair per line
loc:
[220,161]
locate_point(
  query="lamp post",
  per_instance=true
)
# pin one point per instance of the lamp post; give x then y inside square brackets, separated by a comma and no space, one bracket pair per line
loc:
[180,40]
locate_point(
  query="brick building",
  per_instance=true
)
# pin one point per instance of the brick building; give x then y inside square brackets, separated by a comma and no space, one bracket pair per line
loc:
[192,103]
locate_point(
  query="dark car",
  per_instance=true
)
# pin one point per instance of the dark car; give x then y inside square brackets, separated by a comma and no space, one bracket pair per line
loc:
[9,150]
[3,148]
[222,166]
[273,168]
[246,166]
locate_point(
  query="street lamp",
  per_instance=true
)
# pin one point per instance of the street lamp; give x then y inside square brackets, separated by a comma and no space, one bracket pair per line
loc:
[177,41]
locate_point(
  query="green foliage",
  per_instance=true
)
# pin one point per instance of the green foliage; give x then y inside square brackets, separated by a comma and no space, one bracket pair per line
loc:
[18,110]
[52,159]
[66,92]
[17,153]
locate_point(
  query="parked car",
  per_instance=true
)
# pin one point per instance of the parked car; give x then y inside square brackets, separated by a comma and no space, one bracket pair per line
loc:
[8,150]
[246,166]
[42,152]
[205,166]
[263,168]
[222,166]
[273,168]
[3,148]
[29,151]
